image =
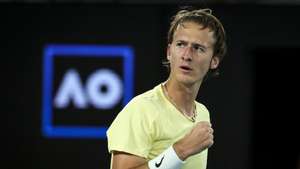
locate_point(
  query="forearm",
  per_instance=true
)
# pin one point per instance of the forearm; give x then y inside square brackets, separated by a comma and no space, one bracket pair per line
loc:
[181,151]
[199,139]
[168,159]
[143,166]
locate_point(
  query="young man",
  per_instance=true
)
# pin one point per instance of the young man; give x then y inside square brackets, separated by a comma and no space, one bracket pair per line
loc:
[165,127]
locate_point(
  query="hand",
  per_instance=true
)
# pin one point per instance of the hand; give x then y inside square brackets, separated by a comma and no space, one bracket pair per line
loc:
[199,139]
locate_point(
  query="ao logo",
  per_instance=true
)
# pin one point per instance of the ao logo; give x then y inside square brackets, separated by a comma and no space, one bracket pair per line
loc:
[73,89]
[101,88]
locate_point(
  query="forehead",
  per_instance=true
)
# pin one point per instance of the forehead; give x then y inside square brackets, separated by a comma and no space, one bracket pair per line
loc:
[194,32]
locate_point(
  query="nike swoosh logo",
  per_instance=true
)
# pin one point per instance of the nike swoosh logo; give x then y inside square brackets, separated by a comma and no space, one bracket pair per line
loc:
[158,164]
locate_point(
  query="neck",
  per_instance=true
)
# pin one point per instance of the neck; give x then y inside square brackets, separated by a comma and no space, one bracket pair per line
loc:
[182,95]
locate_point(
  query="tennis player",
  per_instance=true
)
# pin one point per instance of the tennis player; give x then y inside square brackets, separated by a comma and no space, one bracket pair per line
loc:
[165,127]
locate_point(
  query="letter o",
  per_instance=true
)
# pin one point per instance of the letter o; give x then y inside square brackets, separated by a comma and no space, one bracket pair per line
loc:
[113,94]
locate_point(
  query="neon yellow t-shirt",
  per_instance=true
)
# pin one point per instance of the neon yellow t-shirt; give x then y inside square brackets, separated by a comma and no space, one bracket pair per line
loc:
[149,124]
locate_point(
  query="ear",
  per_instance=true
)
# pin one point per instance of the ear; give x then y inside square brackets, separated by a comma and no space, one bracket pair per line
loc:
[168,52]
[214,62]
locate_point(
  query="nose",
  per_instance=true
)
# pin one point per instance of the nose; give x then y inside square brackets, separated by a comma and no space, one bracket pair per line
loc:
[187,53]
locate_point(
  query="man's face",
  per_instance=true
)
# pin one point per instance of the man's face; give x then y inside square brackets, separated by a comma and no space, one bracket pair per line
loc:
[191,53]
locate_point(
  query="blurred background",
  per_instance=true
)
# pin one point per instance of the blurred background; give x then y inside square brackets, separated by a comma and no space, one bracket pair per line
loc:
[253,104]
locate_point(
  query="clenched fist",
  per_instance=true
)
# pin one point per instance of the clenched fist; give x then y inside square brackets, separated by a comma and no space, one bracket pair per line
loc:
[199,139]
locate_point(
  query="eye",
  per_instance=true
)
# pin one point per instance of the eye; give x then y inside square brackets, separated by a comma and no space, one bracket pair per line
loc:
[180,44]
[199,48]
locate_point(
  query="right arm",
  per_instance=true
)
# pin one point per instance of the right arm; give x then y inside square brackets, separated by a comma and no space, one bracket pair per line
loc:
[122,160]
[199,139]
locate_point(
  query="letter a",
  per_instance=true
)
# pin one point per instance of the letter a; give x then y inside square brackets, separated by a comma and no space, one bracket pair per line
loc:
[71,89]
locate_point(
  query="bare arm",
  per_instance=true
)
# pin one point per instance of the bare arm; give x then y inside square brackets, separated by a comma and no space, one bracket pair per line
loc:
[199,139]
[122,160]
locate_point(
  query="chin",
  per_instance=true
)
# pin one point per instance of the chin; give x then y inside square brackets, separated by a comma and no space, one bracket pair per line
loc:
[187,80]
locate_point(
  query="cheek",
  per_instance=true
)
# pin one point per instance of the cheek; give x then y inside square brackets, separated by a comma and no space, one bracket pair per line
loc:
[171,60]
[203,64]
[174,57]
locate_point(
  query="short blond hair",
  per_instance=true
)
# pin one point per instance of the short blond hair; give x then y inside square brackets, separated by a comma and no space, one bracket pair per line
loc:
[205,18]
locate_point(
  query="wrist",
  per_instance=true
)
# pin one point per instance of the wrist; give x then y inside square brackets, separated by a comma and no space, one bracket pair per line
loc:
[166,160]
[181,151]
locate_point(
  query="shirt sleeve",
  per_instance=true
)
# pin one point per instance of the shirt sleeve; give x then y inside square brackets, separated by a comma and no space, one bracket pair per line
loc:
[131,130]
[203,113]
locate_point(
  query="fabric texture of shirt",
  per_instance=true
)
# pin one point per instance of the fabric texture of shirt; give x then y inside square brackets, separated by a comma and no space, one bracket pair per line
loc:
[150,123]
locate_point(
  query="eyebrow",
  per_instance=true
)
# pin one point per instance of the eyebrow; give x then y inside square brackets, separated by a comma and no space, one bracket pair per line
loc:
[199,45]
[193,44]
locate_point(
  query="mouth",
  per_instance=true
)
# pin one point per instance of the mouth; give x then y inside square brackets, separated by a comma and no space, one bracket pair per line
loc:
[186,68]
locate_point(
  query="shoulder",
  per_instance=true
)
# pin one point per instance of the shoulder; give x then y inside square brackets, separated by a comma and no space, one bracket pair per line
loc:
[201,106]
[148,99]
[144,104]
[202,111]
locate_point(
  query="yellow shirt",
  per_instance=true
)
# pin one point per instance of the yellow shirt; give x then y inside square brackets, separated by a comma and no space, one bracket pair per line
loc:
[149,124]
